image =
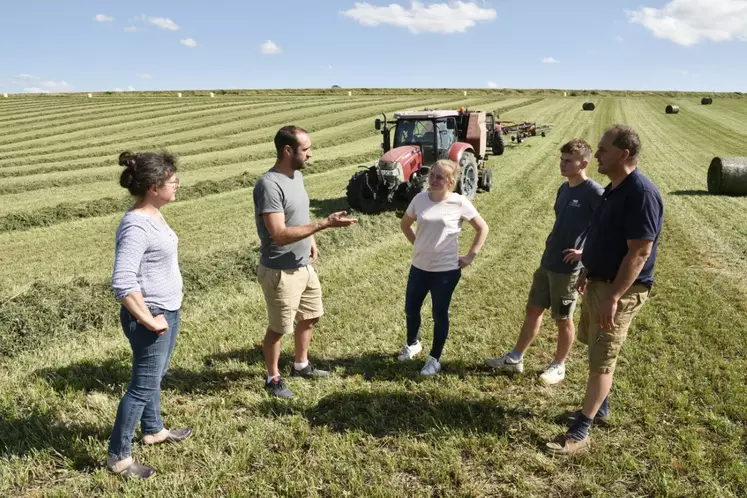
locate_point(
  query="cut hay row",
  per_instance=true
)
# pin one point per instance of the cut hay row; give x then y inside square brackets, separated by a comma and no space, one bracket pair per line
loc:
[119,115]
[105,125]
[103,160]
[345,137]
[210,126]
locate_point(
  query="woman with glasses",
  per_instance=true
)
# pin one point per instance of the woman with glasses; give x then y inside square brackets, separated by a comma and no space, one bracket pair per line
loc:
[436,265]
[148,283]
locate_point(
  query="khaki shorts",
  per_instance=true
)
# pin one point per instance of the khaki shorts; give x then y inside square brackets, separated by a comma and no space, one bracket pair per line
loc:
[556,291]
[605,344]
[291,296]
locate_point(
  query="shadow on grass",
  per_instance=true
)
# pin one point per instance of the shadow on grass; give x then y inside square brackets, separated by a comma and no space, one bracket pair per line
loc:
[690,192]
[392,413]
[370,366]
[37,431]
[321,208]
[113,376]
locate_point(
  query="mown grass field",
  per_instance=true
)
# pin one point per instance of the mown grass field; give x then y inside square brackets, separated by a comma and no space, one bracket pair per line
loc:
[375,428]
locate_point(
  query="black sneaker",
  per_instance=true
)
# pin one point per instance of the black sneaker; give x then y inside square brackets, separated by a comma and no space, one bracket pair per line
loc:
[308,372]
[570,418]
[277,388]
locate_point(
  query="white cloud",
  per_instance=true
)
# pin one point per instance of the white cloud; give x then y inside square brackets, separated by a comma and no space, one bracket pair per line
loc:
[164,23]
[492,84]
[103,18]
[688,22]
[330,66]
[619,38]
[130,88]
[452,17]
[45,86]
[130,29]
[550,60]
[269,47]
[118,90]
[144,76]
[189,42]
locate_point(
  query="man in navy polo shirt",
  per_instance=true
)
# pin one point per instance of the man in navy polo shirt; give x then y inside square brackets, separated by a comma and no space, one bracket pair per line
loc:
[618,260]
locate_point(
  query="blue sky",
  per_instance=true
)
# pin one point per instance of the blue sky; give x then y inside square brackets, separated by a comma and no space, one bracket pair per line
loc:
[87,45]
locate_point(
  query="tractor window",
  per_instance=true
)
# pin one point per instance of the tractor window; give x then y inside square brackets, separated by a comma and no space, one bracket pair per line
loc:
[446,136]
[414,132]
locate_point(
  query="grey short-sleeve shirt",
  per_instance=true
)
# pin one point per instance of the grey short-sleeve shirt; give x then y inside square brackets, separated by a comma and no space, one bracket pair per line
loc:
[275,192]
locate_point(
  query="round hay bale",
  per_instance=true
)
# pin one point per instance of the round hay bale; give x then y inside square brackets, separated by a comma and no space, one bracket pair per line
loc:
[588,106]
[706,101]
[673,109]
[728,176]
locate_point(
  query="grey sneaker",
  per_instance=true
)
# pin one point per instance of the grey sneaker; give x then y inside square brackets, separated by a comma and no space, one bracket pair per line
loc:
[506,364]
[554,373]
[432,367]
[308,371]
[277,388]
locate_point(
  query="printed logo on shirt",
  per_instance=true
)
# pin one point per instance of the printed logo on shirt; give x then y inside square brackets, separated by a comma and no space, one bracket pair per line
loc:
[575,203]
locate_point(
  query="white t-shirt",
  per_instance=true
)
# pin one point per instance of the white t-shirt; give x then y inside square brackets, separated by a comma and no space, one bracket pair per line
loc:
[438,225]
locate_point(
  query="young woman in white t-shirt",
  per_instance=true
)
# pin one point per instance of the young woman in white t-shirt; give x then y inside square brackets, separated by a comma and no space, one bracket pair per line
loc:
[436,264]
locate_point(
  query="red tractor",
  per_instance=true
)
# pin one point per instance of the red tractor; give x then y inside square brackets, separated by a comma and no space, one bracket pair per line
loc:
[420,139]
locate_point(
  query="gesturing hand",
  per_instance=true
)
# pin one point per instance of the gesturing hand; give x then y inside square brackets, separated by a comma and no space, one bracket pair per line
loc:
[338,219]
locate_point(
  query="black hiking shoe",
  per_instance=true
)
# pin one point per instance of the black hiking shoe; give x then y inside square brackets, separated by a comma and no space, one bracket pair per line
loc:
[308,372]
[277,388]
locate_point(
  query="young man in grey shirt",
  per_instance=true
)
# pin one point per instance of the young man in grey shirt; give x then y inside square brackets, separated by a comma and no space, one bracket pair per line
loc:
[287,252]
[554,283]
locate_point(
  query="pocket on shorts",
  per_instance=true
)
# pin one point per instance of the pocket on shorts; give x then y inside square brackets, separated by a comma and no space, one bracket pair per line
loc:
[270,278]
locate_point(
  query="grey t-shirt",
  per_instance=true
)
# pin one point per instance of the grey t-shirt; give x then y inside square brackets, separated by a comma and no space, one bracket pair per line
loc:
[573,209]
[274,192]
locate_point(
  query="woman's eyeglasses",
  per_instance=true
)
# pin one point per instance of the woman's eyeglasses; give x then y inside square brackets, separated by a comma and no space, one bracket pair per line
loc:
[175,183]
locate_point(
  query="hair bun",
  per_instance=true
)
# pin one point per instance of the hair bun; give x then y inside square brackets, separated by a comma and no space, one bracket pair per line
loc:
[127,159]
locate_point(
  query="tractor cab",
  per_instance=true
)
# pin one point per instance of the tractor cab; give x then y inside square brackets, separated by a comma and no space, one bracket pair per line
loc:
[434,132]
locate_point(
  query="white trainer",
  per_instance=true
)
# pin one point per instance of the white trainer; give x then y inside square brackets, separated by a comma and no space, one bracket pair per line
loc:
[432,366]
[554,373]
[409,352]
[506,364]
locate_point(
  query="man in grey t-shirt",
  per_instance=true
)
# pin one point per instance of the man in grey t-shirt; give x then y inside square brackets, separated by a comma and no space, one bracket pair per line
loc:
[287,250]
[554,283]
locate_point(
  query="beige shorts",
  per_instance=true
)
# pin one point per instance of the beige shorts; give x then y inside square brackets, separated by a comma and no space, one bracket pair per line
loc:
[554,291]
[291,296]
[605,344]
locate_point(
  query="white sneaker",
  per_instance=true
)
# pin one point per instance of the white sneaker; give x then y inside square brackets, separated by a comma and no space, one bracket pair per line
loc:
[432,366]
[409,352]
[506,364]
[554,373]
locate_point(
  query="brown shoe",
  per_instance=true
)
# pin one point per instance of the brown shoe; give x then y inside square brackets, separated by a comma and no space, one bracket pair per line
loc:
[564,446]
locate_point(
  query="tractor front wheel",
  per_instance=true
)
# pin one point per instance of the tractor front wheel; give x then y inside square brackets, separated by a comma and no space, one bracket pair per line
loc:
[486,182]
[360,193]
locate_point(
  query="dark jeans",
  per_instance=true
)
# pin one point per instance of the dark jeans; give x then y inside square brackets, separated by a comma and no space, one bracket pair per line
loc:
[441,285]
[150,360]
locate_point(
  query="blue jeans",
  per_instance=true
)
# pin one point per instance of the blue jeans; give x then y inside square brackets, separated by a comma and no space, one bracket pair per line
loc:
[441,285]
[142,401]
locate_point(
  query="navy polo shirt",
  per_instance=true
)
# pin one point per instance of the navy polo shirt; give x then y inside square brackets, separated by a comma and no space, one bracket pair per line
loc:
[632,210]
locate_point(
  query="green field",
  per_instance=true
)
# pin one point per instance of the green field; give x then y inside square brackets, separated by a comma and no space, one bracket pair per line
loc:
[375,428]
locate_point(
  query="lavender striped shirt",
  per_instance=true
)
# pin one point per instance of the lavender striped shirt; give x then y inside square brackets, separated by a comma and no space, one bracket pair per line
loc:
[146,260]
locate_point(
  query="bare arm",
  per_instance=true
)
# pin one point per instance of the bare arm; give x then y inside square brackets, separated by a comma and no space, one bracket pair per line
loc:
[283,235]
[406,226]
[639,251]
[481,233]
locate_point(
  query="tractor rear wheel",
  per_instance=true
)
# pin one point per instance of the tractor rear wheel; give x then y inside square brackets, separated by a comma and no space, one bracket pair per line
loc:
[498,143]
[467,184]
[360,193]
